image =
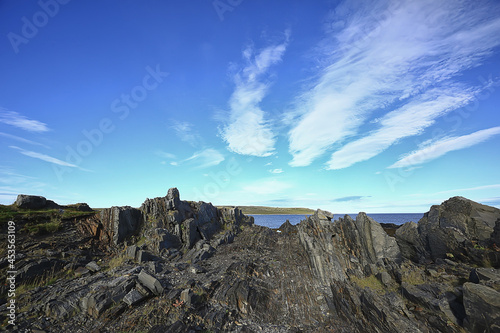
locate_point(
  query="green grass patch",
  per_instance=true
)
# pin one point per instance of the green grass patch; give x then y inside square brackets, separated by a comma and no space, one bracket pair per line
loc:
[43,228]
[118,260]
[413,278]
[371,282]
[41,216]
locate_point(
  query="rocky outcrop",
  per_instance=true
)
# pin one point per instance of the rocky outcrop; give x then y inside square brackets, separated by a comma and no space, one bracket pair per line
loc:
[35,202]
[120,223]
[172,222]
[180,266]
[30,201]
[455,226]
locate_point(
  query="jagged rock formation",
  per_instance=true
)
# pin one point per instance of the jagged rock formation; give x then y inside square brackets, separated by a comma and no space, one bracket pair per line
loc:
[164,223]
[457,228]
[179,266]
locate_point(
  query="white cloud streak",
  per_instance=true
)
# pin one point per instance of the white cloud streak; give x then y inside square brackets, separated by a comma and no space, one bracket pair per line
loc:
[17,120]
[390,57]
[204,159]
[477,188]
[440,147]
[17,138]
[247,131]
[164,154]
[276,171]
[186,133]
[45,158]
[411,119]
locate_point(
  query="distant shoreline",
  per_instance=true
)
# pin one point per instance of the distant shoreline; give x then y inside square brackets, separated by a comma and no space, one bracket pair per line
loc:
[263,210]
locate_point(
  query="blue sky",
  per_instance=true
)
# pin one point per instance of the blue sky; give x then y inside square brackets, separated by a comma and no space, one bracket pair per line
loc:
[376,106]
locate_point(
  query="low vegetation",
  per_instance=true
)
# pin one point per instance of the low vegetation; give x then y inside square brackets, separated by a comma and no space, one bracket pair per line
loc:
[39,221]
[371,282]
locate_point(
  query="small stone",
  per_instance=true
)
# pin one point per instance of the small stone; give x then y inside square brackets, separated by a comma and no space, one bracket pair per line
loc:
[93,267]
[353,259]
[133,297]
[449,262]
[196,269]
[432,273]
[81,271]
[51,253]
[131,252]
[187,296]
[385,278]
[143,256]
[150,282]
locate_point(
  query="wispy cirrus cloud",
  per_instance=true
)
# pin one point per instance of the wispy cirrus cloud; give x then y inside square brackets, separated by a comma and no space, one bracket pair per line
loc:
[440,147]
[185,131]
[408,120]
[248,132]
[17,138]
[389,58]
[276,170]
[46,158]
[475,188]
[164,154]
[204,159]
[17,120]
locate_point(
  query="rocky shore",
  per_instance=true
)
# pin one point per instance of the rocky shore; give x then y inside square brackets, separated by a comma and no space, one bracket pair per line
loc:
[182,266]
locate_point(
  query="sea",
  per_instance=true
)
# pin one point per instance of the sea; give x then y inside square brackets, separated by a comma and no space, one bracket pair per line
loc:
[275,221]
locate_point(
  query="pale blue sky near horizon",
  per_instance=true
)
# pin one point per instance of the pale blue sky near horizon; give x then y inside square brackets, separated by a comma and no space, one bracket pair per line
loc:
[376,106]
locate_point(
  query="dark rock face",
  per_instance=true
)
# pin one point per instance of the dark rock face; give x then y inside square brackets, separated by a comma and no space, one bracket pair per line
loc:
[495,235]
[409,242]
[30,201]
[457,221]
[119,223]
[165,223]
[347,243]
[482,305]
[173,223]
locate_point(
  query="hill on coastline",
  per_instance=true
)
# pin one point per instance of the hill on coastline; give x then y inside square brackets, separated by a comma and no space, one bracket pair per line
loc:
[263,210]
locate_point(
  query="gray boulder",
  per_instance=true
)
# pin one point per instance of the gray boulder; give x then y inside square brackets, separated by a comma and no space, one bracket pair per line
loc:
[485,275]
[93,266]
[377,243]
[134,297]
[482,306]
[409,242]
[150,283]
[30,201]
[446,228]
